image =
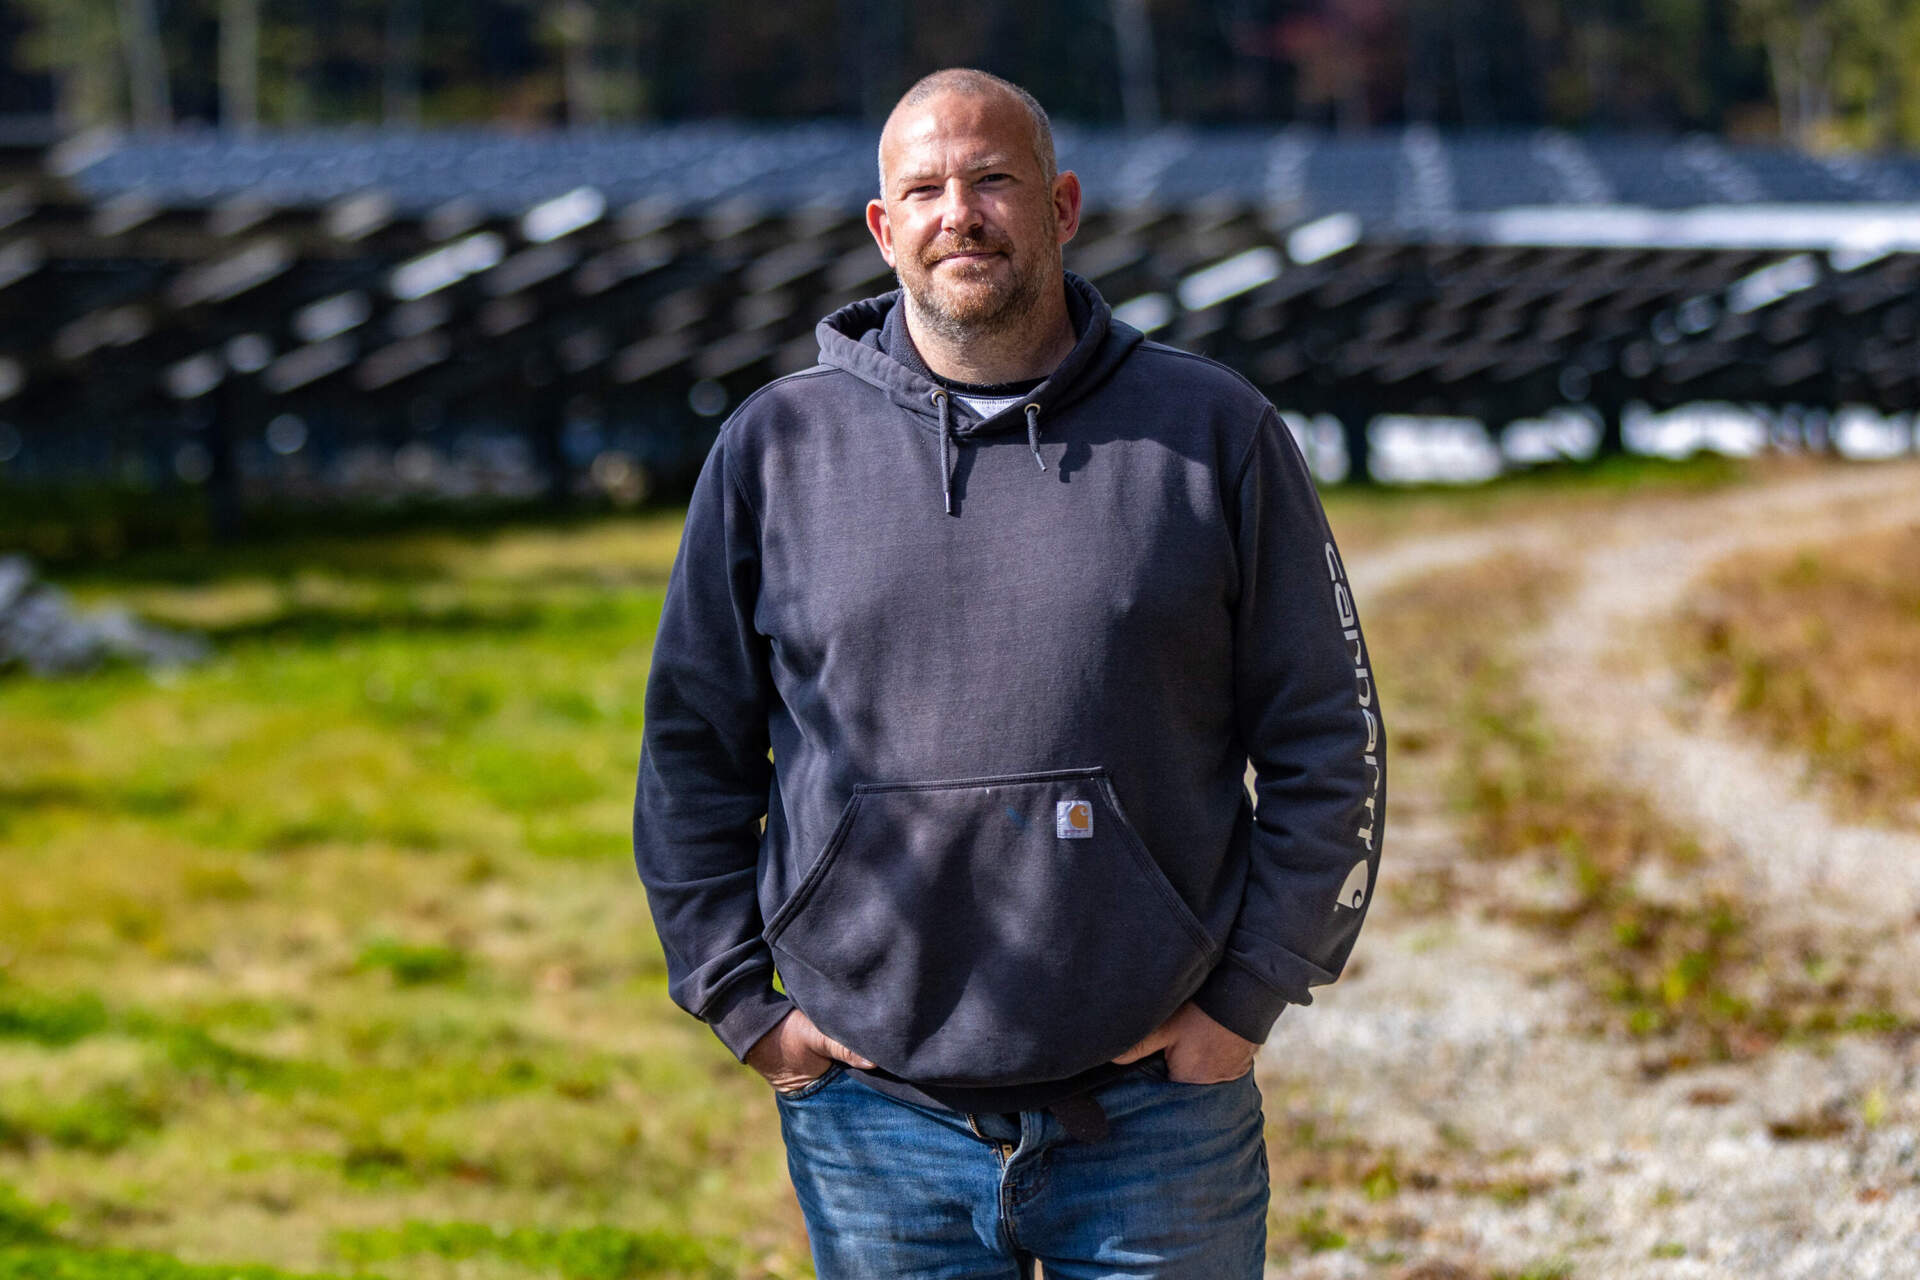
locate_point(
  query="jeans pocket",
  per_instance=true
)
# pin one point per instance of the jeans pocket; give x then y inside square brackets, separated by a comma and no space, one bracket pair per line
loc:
[1155,1066]
[833,1072]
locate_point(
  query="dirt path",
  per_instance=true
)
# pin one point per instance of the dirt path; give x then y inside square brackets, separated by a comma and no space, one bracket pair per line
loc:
[1454,1049]
[1634,575]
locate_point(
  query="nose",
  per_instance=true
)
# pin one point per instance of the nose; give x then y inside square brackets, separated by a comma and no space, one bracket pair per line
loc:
[959,211]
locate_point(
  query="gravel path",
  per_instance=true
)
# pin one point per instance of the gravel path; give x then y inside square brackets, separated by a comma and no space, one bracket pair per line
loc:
[1455,1047]
[1634,576]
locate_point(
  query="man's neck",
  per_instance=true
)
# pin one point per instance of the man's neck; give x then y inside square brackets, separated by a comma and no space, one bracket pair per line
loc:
[1030,350]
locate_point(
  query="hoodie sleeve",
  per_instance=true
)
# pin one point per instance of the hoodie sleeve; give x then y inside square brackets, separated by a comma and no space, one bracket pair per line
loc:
[704,770]
[1307,712]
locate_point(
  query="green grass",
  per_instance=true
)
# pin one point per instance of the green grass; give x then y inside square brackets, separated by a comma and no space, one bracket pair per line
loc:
[77,525]
[69,1264]
[1553,1270]
[50,1019]
[341,928]
[592,1253]
[32,1249]
[1364,517]
[1313,1233]
[22,1223]
[412,965]
[52,1262]
[329,953]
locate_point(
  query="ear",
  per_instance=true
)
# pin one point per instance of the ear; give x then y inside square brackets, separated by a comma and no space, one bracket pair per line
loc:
[1066,204]
[881,228]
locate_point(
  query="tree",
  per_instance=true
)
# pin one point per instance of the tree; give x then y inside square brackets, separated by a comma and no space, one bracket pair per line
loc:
[1843,71]
[1133,34]
[239,63]
[146,65]
[77,43]
[400,87]
[573,28]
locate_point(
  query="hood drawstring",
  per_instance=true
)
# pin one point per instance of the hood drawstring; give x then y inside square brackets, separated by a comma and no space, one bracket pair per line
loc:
[946,430]
[1033,433]
[939,397]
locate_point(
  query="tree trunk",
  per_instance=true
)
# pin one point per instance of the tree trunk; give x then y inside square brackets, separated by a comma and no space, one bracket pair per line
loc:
[239,64]
[626,96]
[1133,34]
[1420,95]
[577,42]
[1816,94]
[1603,83]
[146,65]
[1883,128]
[1468,38]
[400,88]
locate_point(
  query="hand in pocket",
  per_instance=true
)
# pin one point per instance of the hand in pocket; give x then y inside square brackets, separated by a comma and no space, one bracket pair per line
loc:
[1199,1050]
[796,1053]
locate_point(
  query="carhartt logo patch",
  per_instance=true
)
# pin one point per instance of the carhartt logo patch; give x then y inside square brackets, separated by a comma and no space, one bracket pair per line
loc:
[1353,894]
[1073,820]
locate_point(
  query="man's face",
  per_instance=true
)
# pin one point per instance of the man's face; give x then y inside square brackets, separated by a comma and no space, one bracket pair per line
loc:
[967,219]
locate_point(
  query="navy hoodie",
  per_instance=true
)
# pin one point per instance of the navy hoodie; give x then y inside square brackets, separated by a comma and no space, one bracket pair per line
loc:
[994,687]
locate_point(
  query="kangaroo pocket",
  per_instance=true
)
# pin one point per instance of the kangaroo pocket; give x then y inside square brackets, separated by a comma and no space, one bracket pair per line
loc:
[978,931]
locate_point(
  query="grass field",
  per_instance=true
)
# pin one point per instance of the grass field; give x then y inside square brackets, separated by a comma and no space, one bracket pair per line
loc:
[327,957]
[330,954]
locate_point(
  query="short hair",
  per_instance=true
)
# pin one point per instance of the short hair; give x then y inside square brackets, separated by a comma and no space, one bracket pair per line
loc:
[966,80]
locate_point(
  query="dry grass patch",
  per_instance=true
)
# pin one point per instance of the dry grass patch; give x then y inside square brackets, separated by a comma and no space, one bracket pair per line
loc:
[1335,1191]
[1644,913]
[1818,651]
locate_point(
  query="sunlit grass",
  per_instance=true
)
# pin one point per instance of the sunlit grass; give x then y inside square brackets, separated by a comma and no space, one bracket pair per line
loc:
[339,932]
[593,1253]
[328,955]
[1365,518]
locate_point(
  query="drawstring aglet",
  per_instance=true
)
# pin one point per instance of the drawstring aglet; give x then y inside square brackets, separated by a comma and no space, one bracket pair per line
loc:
[1033,434]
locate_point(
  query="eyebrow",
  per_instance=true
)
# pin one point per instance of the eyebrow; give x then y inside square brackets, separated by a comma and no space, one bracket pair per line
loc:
[997,160]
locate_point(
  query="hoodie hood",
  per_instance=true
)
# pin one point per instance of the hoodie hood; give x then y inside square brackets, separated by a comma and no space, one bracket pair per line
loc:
[854,339]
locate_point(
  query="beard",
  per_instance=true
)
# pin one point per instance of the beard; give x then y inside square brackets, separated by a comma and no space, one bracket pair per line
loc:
[967,300]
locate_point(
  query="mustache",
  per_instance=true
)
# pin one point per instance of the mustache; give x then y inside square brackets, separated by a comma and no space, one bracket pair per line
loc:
[947,248]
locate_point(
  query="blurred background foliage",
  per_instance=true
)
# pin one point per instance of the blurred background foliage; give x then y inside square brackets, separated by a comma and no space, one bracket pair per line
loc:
[1817,73]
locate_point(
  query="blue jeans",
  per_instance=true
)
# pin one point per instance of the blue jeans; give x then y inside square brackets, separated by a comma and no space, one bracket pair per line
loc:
[1177,1190]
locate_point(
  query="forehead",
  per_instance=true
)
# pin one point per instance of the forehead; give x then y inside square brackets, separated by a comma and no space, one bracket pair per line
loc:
[953,129]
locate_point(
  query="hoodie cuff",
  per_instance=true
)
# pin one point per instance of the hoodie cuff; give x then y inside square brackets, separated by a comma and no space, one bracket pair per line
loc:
[746,1015]
[1239,1001]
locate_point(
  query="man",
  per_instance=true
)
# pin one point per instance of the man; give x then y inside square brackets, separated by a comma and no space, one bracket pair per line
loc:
[1012,596]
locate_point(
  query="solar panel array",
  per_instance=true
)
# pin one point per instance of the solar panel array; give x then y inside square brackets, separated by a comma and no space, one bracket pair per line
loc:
[600,293]
[1498,332]
[1399,182]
